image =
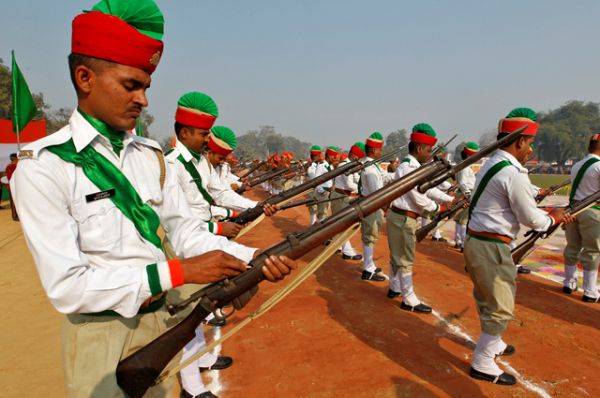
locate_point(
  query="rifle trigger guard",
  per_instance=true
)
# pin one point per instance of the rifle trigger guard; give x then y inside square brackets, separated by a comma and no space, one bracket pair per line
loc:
[222,315]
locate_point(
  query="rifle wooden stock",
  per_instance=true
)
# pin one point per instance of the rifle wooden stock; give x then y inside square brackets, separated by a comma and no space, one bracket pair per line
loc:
[425,230]
[552,190]
[507,140]
[261,178]
[136,373]
[308,202]
[528,245]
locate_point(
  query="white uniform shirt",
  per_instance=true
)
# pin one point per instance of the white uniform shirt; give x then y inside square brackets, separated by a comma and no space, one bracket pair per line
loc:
[466,180]
[346,182]
[413,200]
[373,178]
[89,256]
[225,174]
[590,183]
[224,197]
[322,168]
[312,170]
[503,206]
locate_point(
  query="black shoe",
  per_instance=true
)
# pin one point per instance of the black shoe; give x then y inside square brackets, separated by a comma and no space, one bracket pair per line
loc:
[439,239]
[217,322]
[509,350]
[392,294]
[425,309]
[589,299]
[504,379]
[521,269]
[221,363]
[568,290]
[462,249]
[206,394]
[355,257]
[457,245]
[377,270]
[327,242]
[372,276]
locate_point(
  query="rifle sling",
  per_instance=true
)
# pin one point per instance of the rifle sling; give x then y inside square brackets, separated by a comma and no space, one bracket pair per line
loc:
[485,180]
[579,177]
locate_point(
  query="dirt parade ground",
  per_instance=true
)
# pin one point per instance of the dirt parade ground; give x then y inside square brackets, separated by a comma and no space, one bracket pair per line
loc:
[339,336]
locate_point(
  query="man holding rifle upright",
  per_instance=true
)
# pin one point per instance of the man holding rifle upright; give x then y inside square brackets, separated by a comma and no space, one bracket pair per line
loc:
[91,199]
[583,236]
[372,178]
[466,181]
[499,204]
[402,220]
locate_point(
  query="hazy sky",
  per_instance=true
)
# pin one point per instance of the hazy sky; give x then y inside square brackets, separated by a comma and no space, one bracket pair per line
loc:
[332,72]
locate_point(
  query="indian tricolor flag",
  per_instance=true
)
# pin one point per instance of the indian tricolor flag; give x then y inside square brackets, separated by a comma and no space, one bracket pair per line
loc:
[8,140]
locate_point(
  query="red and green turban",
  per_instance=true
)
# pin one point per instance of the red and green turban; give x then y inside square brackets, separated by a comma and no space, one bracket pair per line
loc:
[222,140]
[128,32]
[471,148]
[358,149]
[423,133]
[332,151]
[517,118]
[196,110]
[375,140]
[315,150]
[595,137]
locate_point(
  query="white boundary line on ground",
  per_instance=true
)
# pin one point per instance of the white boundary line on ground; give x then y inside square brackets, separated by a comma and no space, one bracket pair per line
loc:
[457,331]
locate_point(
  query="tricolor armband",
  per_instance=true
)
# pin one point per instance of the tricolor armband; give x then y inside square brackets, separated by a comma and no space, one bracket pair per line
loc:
[164,276]
[215,227]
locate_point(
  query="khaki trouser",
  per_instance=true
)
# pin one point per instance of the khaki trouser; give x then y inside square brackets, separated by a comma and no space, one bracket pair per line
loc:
[462,217]
[401,240]
[369,228]
[321,209]
[583,240]
[493,273]
[337,205]
[93,345]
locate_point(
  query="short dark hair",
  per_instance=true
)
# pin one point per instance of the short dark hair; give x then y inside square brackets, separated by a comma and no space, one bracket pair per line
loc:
[95,64]
[13,156]
[502,135]
[594,146]
[178,126]
[413,146]
[463,154]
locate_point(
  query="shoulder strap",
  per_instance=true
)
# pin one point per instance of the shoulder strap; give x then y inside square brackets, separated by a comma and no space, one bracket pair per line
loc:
[405,160]
[579,177]
[485,180]
[161,164]
[193,172]
[105,175]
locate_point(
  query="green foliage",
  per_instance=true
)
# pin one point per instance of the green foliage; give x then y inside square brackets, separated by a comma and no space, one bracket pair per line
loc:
[6,96]
[258,144]
[564,133]
[548,180]
[395,140]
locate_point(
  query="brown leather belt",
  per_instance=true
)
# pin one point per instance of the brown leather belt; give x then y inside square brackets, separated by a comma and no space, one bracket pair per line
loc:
[407,213]
[490,235]
[152,299]
[346,192]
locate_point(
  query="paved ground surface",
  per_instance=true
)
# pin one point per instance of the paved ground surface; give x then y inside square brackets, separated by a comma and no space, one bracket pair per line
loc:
[338,336]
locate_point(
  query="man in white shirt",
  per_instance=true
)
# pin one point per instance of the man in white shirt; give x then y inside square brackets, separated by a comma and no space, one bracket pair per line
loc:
[372,178]
[583,236]
[466,181]
[345,189]
[499,204]
[92,197]
[402,220]
[317,167]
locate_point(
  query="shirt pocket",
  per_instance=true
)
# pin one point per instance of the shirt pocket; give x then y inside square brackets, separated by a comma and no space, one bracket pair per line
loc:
[99,224]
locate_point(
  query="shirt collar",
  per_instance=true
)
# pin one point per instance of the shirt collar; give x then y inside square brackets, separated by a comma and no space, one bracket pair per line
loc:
[413,159]
[83,133]
[185,152]
[503,155]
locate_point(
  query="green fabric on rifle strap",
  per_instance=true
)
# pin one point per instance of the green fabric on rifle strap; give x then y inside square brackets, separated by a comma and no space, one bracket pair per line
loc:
[105,175]
[193,172]
[579,177]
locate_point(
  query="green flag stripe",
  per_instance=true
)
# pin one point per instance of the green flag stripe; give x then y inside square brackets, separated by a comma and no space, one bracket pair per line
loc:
[23,105]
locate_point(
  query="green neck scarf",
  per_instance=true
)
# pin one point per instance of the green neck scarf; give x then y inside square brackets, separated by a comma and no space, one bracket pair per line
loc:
[105,175]
[114,136]
[194,154]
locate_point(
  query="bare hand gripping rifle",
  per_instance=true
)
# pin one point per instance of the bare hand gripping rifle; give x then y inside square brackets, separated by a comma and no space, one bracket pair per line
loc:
[139,371]
[528,246]
[354,166]
[551,190]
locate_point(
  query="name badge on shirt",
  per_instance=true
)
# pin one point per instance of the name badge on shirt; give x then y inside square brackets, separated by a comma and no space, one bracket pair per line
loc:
[100,195]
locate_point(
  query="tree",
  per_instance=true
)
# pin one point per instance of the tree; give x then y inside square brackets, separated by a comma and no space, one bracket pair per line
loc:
[488,137]
[6,96]
[147,120]
[57,119]
[266,141]
[395,140]
[564,132]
